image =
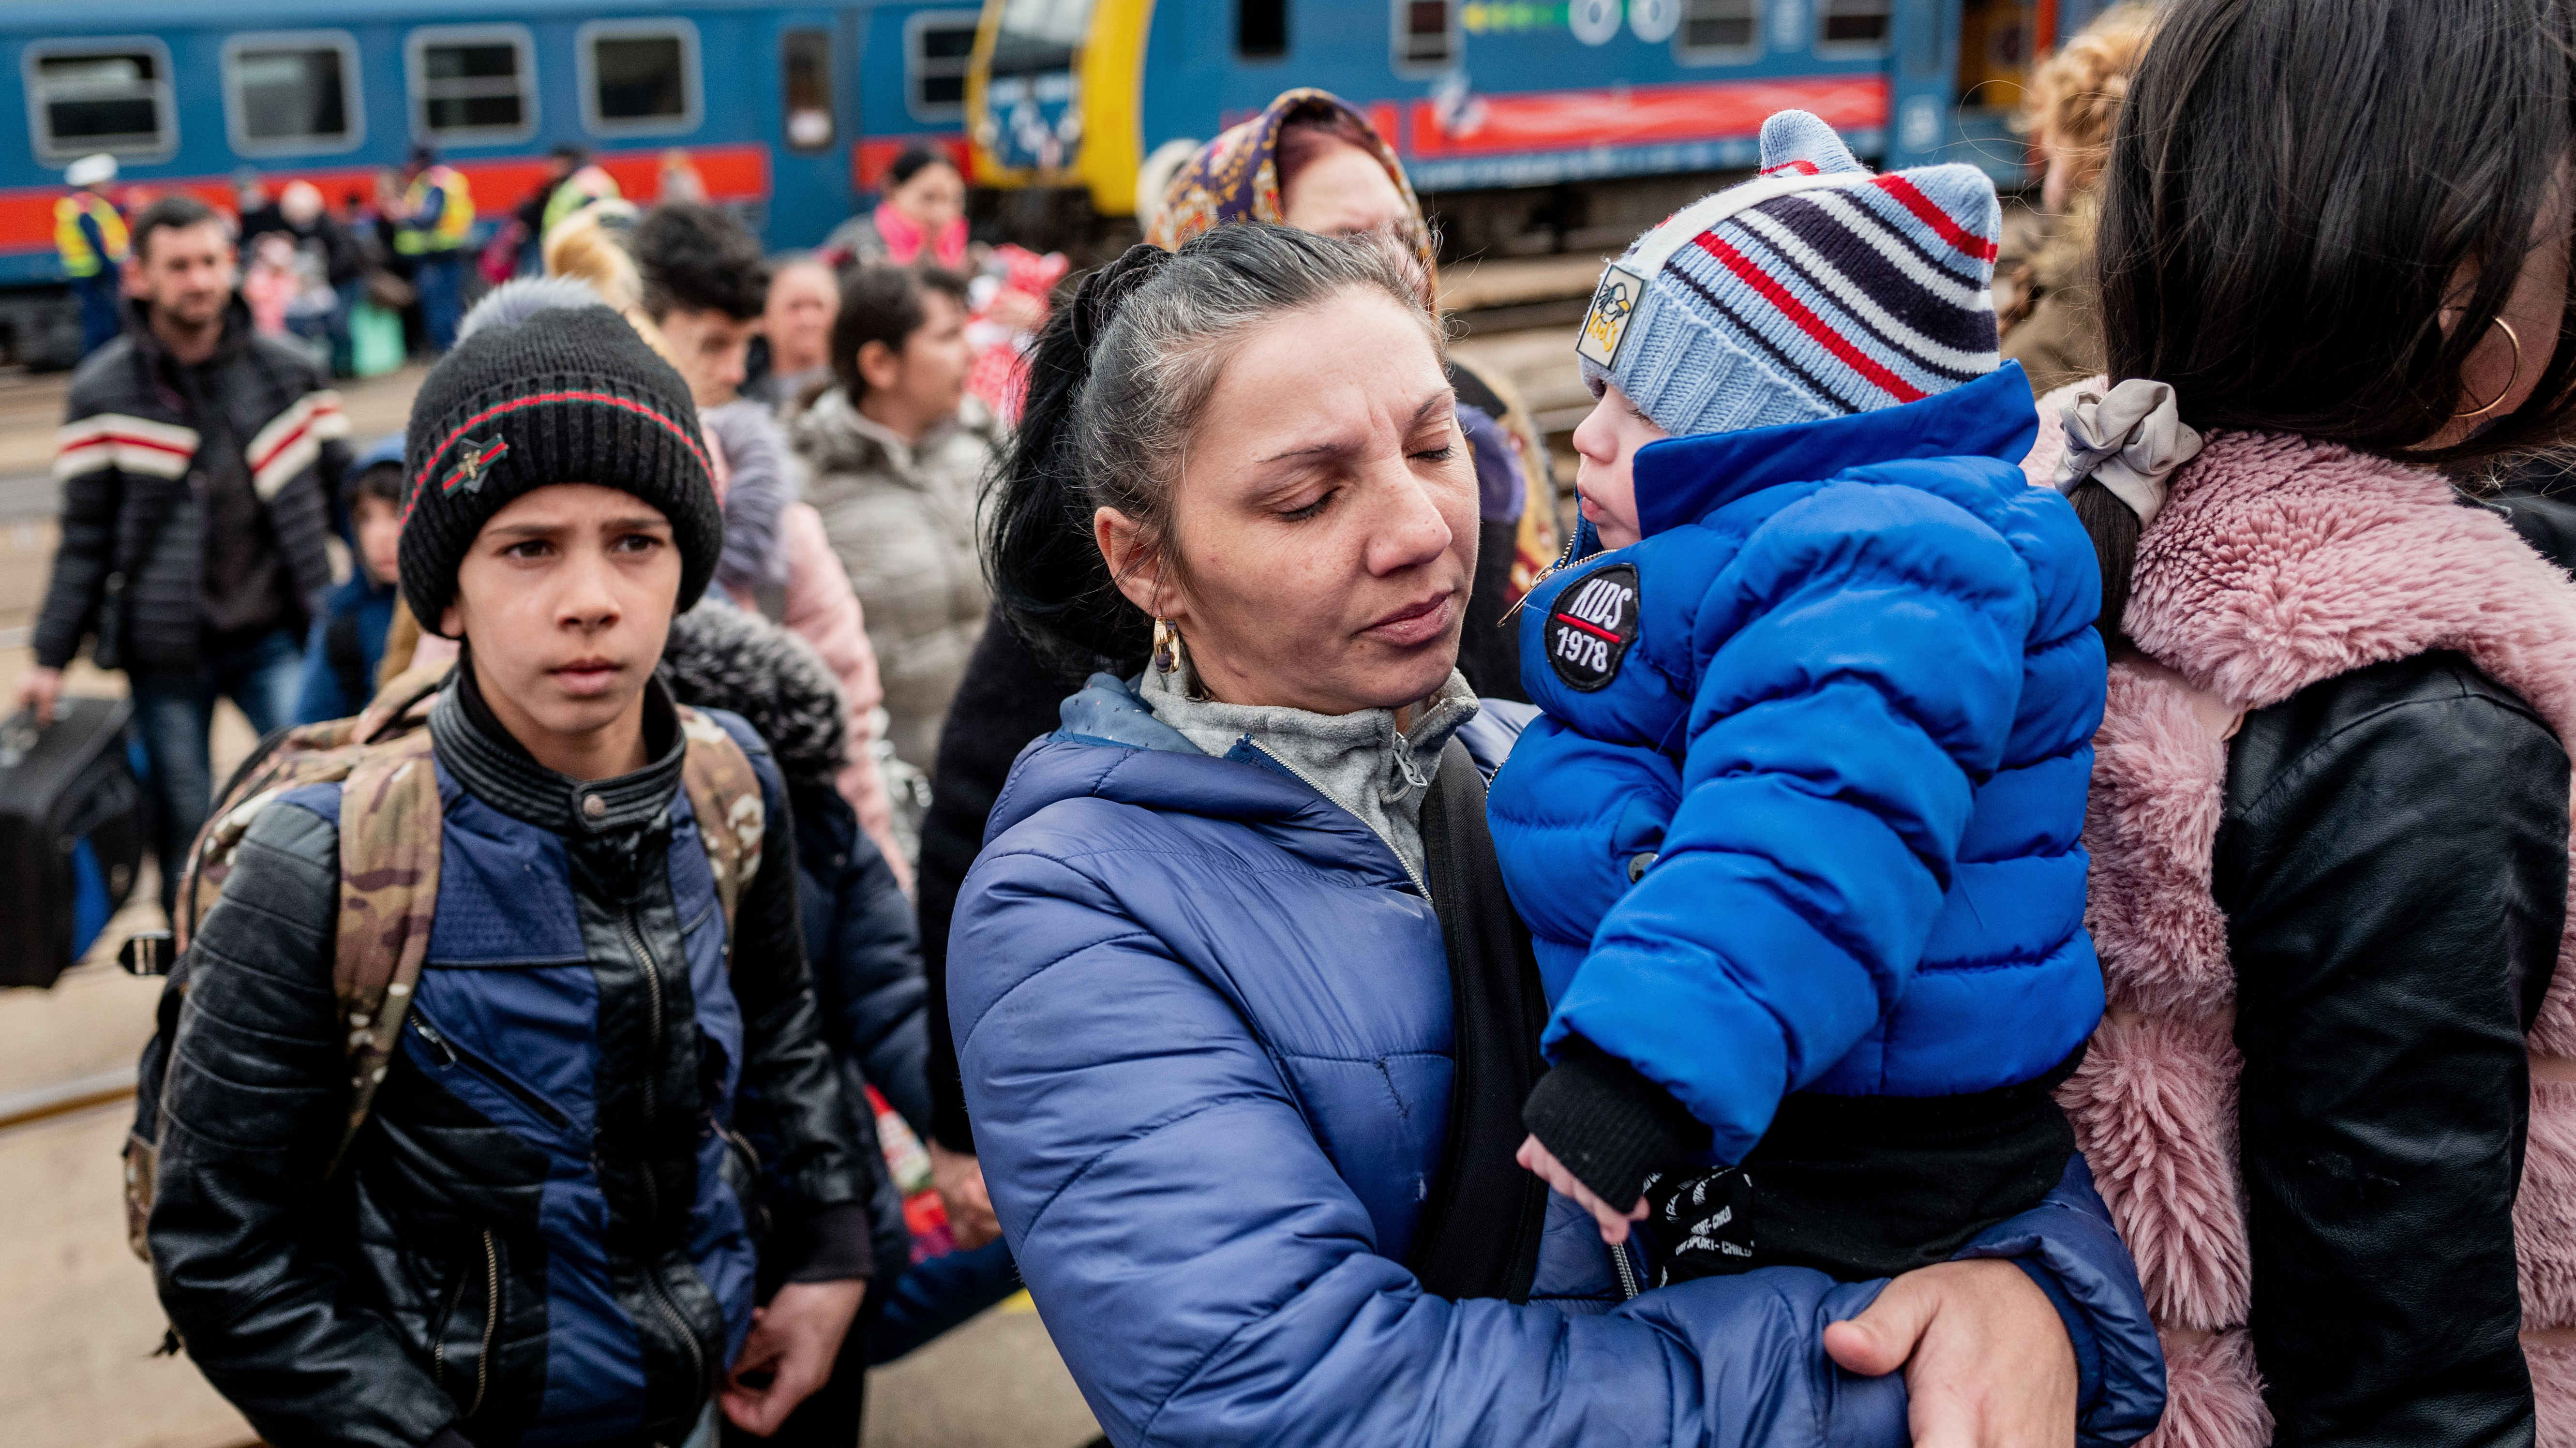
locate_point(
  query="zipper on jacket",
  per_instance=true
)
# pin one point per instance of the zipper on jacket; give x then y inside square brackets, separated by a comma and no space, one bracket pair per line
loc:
[660,1293]
[1309,781]
[451,1054]
[491,1326]
[652,1009]
[1627,1272]
[491,1320]
[1563,558]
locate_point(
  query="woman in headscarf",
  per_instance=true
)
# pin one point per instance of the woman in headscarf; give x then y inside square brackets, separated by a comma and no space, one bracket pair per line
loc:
[1312,162]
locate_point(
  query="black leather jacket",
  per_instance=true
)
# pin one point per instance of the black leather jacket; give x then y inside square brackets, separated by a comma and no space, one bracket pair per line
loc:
[2393,866]
[469,1268]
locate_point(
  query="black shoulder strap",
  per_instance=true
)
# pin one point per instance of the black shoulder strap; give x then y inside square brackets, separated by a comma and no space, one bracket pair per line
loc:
[347,655]
[1480,1231]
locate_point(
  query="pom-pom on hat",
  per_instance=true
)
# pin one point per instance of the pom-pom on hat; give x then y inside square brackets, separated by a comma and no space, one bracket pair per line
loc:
[1816,289]
[569,395]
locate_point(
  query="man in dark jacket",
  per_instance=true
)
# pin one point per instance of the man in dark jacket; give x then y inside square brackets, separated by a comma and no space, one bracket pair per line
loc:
[547,1229]
[196,462]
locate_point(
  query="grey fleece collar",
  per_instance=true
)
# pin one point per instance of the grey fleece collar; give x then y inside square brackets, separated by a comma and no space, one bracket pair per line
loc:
[1359,761]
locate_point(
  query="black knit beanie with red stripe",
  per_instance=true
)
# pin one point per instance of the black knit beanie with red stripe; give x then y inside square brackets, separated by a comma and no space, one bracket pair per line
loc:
[571,395]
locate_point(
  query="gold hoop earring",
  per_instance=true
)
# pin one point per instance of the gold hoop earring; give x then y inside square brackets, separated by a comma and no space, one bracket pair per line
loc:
[1167,646]
[2507,390]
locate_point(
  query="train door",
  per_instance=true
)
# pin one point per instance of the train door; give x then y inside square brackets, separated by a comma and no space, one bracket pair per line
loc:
[1959,68]
[814,55]
[1997,39]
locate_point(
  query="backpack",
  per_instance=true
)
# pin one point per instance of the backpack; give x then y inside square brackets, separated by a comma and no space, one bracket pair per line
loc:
[390,823]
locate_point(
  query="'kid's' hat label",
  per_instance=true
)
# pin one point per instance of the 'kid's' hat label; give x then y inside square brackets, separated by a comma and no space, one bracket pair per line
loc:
[1592,625]
[1614,306]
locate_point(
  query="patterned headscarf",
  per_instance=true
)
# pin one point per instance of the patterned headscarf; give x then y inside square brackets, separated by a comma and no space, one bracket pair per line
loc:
[1236,176]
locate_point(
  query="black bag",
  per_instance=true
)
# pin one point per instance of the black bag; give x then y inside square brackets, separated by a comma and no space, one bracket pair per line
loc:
[72,834]
[1480,1230]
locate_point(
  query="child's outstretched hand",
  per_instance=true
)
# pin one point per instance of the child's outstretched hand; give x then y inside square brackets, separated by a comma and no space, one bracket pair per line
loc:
[1614,1224]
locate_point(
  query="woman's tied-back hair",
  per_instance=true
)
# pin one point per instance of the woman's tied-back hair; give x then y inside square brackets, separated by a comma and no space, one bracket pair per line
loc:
[2297,189]
[590,246]
[1117,389]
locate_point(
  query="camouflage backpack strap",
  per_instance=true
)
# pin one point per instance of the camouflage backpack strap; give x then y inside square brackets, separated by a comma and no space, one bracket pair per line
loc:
[306,754]
[724,793]
[389,846]
[404,700]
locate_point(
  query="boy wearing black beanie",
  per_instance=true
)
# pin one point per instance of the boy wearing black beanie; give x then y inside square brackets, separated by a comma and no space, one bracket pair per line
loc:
[546,1228]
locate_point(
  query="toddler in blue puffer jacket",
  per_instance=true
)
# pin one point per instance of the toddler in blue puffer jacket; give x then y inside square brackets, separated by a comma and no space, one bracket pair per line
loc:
[1796,837]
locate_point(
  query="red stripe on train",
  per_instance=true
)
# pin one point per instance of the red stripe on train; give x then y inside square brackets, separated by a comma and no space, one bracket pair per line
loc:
[1499,125]
[738,172]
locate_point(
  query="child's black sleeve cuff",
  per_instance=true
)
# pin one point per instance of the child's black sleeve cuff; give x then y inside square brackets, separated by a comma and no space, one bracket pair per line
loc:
[1609,1125]
[829,1244]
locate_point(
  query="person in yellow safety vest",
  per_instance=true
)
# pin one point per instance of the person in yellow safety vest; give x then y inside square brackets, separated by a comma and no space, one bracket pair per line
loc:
[588,183]
[89,237]
[434,221]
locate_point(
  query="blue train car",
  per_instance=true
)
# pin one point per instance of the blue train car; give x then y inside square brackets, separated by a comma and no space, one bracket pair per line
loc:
[787,112]
[1073,94]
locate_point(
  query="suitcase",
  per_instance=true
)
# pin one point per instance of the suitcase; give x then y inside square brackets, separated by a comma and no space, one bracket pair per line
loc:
[73,830]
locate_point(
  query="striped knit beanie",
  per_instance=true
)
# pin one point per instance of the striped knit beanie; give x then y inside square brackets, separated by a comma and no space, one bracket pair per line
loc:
[1815,290]
[569,395]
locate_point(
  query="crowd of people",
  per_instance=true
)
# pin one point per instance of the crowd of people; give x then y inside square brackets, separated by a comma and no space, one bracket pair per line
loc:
[2001,882]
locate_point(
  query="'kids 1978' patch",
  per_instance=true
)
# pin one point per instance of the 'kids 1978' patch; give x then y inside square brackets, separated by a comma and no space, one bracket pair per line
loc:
[1592,625]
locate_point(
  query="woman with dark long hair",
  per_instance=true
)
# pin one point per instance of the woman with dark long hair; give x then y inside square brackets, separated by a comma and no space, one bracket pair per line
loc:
[2334,1091]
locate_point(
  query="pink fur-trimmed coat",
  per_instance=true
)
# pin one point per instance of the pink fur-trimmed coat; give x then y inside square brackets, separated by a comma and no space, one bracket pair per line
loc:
[2278,563]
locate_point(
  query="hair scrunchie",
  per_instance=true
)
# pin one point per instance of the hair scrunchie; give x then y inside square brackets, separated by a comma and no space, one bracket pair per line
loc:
[1096,302]
[2130,440]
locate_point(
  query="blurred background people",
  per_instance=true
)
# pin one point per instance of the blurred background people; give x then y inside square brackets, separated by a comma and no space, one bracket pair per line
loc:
[347,645]
[921,218]
[896,450]
[2046,302]
[796,332]
[433,219]
[332,257]
[90,241]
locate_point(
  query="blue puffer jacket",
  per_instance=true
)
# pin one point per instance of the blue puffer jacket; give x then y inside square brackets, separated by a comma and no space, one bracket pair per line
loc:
[1837,707]
[1206,1031]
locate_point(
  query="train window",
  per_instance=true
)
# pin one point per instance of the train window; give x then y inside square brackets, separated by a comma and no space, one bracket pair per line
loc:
[1717,30]
[472,83]
[1260,29]
[1426,34]
[805,66]
[1852,27]
[85,96]
[293,93]
[937,47]
[1038,37]
[639,77]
